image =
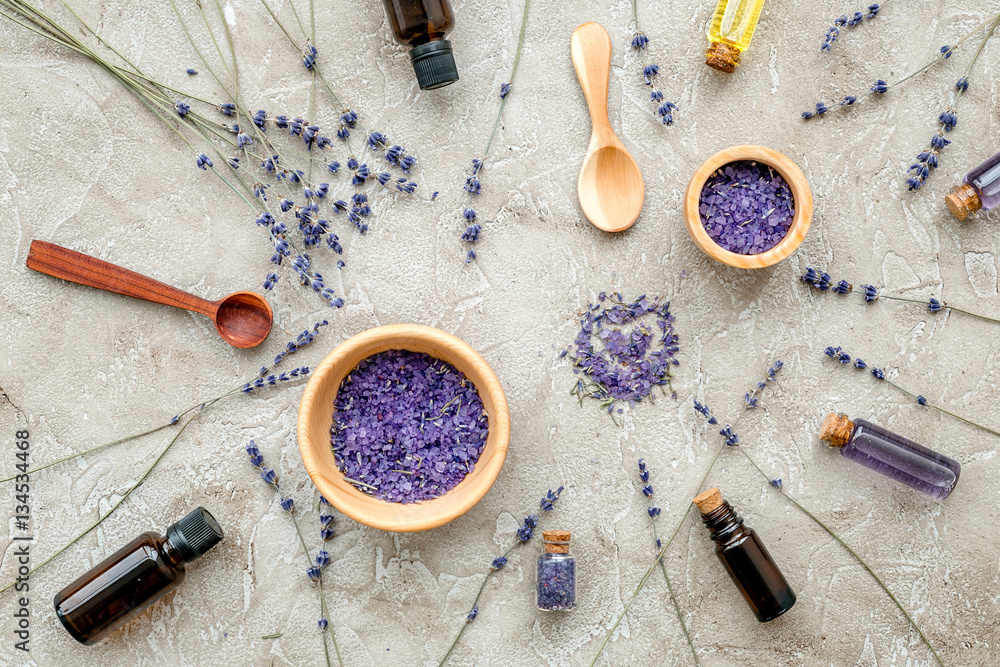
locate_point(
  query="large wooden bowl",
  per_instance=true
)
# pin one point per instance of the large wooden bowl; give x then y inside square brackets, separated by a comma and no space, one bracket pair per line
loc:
[800,193]
[316,418]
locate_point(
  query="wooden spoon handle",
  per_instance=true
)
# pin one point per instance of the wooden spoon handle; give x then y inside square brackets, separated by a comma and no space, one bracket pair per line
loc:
[590,48]
[77,267]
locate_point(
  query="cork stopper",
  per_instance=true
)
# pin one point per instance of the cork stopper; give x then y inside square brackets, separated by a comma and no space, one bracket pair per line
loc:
[963,200]
[722,57]
[708,501]
[836,429]
[556,541]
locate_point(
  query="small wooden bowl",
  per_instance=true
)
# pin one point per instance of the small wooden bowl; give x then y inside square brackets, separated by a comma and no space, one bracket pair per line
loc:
[801,194]
[316,418]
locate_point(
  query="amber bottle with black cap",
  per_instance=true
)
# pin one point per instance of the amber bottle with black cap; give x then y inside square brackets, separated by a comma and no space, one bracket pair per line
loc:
[423,26]
[746,560]
[134,577]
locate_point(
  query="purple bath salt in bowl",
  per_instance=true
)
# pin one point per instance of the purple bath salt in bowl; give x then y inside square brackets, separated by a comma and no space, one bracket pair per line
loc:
[407,427]
[746,207]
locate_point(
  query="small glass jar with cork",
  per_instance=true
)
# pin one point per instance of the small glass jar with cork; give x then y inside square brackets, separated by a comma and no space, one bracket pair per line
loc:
[556,573]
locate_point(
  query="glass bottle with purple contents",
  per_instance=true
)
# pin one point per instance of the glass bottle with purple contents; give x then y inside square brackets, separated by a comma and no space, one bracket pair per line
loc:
[556,573]
[980,189]
[892,455]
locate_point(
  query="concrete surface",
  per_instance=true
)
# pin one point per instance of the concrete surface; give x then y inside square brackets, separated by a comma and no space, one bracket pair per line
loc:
[84,165]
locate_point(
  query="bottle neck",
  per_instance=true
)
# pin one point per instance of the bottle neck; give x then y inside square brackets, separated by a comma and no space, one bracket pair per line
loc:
[171,553]
[722,521]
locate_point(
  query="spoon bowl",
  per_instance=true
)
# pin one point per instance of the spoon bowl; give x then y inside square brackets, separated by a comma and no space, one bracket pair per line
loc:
[243,319]
[610,187]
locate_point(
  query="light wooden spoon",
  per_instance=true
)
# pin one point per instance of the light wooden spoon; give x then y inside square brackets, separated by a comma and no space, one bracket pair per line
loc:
[610,185]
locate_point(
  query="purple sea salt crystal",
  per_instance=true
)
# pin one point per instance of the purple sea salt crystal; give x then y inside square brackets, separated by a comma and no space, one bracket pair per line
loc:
[407,427]
[746,207]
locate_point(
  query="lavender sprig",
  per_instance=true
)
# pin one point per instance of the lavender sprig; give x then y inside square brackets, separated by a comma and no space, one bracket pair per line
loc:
[856,19]
[777,484]
[728,441]
[524,534]
[927,159]
[664,109]
[878,374]
[198,409]
[624,350]
[315,566]
[821,281]
[881,87]
[473,185]
[200,406]
[654,514]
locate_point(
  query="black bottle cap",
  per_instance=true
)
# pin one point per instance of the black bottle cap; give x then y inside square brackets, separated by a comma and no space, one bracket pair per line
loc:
[195,534]
[434,64]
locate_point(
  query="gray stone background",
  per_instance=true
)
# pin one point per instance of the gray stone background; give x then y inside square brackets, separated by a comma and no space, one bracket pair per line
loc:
[83,164]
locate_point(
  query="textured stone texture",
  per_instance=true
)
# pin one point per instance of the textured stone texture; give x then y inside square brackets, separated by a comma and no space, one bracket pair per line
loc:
[83,164]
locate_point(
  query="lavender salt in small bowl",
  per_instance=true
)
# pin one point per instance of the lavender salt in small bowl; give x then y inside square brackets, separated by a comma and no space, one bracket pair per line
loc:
[373,438]
[748,207]
[407,427]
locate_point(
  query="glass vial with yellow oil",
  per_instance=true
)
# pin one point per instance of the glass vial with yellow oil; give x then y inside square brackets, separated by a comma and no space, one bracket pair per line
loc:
[730,32]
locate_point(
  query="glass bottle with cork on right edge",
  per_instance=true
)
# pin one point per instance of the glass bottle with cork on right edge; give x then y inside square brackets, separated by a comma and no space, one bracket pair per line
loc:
[730,31]
[892,455]
[980,189]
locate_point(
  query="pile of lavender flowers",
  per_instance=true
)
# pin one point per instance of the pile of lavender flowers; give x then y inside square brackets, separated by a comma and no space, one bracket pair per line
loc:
[746,207]
[636,346]
[407,427]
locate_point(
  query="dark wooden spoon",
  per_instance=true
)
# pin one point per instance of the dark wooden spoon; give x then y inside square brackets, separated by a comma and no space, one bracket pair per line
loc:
[243,319]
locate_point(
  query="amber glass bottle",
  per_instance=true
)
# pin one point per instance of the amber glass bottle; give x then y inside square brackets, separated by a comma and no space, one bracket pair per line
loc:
[423,26]
[745,558]
[134,577]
